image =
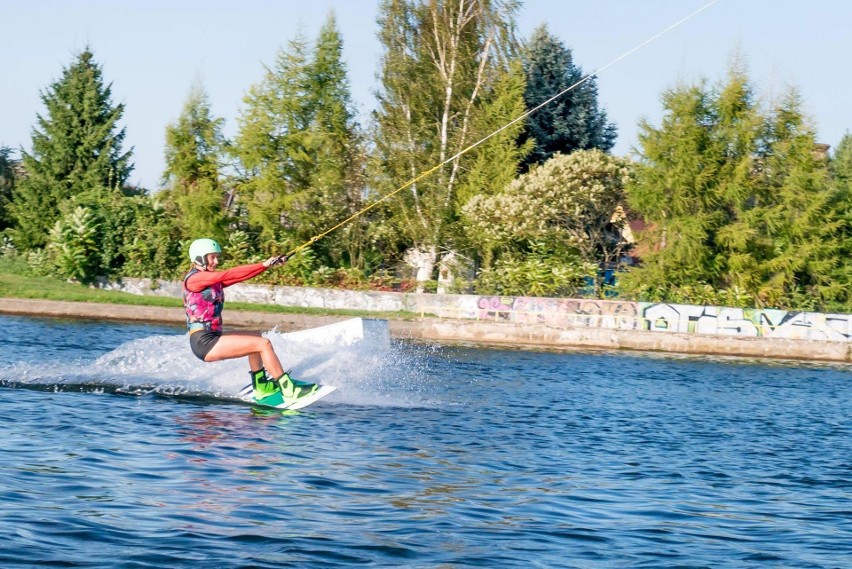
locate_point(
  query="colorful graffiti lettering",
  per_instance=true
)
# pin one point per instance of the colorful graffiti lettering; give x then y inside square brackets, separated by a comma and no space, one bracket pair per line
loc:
[560,312]
[747,322]
[495,307]
[662,317]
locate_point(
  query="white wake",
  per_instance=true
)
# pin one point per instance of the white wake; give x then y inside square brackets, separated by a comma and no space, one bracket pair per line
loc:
[355,355]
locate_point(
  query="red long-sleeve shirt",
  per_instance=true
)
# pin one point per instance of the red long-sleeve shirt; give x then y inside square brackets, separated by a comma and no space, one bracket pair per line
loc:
[203,279]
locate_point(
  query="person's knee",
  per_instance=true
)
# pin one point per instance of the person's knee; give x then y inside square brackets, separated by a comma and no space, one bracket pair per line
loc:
[265,344]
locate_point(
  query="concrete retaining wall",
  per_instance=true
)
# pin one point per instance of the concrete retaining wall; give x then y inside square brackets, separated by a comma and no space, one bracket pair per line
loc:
[501,333]
[558,313]
[533,335]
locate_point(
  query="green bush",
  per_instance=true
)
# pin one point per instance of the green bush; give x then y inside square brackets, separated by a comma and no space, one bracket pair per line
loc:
[13,263]
[537,273]
[73,245]
[700,294]
[299,270]
[239,247]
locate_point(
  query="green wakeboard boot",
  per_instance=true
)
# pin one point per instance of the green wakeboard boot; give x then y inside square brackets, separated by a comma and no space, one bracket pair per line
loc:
[282,392]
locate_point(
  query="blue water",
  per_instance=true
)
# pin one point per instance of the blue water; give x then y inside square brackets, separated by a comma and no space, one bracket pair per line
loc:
[118,449]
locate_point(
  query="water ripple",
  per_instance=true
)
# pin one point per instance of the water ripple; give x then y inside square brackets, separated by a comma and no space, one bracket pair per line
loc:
[435,457]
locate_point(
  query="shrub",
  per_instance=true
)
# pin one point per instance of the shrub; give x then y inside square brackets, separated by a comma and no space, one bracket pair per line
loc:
[73,245]
[538,273]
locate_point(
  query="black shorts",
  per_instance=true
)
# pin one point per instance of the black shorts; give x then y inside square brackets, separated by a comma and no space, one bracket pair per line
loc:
[202,342]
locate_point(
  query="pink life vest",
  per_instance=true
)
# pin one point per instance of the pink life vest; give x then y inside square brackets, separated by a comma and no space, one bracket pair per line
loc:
[203,309]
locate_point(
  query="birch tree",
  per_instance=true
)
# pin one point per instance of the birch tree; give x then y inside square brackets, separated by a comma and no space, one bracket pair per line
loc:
[440,73]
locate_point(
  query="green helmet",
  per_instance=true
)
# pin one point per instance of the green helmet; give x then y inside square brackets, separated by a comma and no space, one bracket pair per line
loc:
[200,248]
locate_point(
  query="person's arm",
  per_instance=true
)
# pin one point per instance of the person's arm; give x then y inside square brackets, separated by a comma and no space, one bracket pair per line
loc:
[203,279]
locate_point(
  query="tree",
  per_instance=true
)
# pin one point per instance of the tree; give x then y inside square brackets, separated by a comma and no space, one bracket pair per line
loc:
[491,166]
[194,188]
[695,177]
[303,155]
[841,163]
[7,185]
[841,170]
[573,121]
[76,148]
[273,145]
[336,182]
[802,227]
[737,203]
[572,206]
[444,86]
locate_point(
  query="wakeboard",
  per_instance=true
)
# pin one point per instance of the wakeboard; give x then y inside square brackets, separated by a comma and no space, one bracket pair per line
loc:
[247,394]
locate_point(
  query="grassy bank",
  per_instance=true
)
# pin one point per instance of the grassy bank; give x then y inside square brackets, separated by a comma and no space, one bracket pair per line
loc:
[16,286]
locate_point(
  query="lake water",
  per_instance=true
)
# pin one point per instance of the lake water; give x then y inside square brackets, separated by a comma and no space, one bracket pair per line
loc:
[119,449]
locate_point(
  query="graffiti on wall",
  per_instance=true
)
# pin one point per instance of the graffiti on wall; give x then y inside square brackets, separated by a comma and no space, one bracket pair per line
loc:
[747,322]
[561,312]
[495,308]
[661,317]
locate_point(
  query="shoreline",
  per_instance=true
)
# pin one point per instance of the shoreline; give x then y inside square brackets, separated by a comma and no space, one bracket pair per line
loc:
[455,331]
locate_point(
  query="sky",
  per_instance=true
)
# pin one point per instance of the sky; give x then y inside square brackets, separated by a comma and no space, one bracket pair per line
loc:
[154,51]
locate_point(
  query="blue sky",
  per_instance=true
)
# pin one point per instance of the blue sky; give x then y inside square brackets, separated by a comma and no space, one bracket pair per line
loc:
[154,50]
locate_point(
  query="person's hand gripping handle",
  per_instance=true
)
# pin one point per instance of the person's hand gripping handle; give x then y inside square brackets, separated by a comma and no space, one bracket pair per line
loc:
[279,260]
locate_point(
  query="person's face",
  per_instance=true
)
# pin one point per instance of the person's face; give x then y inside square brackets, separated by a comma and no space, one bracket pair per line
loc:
[212,261]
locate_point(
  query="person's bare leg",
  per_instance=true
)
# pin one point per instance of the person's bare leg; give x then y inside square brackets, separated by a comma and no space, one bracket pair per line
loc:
[255,361]
[239,344]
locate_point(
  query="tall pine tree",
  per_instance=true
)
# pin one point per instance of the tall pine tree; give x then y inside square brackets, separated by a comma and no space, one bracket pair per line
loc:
[694,180]
[336,180]
[301,149]
[193,184]
[273,145]
[841,169]
[802,228]
[572,122]
[77,148]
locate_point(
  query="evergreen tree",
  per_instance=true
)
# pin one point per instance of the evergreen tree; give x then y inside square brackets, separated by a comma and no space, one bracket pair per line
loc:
[443,87]
[75,149]
[841,163]
[336,180]
[194,187]
[7,185]
[739,205]
[493,165]
[801,226]
[695,177]
[674,192]
[572,122]
[303,153]
[273,145]
[841,170]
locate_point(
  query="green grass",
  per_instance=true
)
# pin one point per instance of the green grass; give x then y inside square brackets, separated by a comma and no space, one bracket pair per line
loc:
[16,286]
